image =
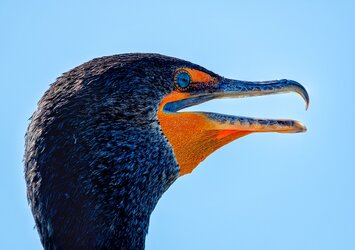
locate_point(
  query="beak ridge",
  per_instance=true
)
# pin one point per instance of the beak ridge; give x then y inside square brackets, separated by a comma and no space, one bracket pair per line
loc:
[235,88]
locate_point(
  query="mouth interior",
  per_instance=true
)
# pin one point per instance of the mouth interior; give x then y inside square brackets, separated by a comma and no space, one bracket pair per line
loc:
[242,123]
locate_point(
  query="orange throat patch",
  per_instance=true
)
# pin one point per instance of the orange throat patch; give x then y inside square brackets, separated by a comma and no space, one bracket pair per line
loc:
[193,136]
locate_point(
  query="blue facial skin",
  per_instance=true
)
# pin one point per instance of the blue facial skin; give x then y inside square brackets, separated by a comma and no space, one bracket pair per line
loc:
[182,79]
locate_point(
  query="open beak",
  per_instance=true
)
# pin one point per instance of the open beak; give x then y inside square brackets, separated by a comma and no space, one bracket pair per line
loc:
[238,89]
[195,135]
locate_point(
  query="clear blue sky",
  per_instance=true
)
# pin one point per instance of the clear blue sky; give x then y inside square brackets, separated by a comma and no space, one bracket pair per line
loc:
[264,191]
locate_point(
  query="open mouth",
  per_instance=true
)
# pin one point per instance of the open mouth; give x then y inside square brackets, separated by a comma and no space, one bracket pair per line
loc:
[228,88]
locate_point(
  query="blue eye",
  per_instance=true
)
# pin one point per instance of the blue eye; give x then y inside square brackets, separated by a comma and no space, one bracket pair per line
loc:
[182,79]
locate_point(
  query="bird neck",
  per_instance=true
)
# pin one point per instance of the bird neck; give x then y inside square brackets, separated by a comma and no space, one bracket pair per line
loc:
[129,175]
[100,190]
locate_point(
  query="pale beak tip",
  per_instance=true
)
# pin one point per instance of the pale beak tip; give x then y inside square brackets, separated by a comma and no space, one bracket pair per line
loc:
[300,127]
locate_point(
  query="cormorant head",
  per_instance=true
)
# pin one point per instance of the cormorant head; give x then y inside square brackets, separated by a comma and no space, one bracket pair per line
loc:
[138,89]
[109,137]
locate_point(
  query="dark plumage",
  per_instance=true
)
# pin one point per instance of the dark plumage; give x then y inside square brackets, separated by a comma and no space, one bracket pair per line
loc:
[96,159]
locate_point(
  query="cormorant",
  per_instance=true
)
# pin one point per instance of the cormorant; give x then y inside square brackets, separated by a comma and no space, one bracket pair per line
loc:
[107,140]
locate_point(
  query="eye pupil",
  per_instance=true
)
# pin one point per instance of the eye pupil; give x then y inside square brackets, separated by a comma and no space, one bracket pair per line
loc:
[182,79]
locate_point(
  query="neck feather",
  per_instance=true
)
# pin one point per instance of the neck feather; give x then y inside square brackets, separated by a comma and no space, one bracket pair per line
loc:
[89,191]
